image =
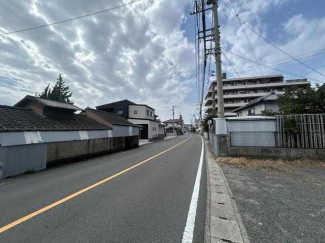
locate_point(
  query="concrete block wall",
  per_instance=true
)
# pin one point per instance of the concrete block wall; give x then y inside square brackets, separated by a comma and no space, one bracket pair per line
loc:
[62,151]
[262,152]
[276,153]
[19,159]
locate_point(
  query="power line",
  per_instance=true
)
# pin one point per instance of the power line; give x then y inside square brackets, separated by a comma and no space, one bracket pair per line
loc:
[249,43]
[67,20]
[233,67]
[279,49]
[277,69]
[282,61]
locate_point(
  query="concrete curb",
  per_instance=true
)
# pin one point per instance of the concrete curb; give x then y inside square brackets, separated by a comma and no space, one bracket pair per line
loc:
[224,223]
[239,219]
[207,235]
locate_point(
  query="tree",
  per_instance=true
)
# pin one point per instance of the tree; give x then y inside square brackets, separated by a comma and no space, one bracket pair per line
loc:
[268,113]
[206,118]
[303,101]
[60,92]
[46,92]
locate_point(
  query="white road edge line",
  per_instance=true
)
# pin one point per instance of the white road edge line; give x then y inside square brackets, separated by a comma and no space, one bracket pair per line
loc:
[190,222]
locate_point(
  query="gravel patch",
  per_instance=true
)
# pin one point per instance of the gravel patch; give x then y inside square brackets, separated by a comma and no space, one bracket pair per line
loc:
[280,206]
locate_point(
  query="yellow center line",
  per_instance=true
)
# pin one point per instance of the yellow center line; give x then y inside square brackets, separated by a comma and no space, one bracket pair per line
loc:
[42,210]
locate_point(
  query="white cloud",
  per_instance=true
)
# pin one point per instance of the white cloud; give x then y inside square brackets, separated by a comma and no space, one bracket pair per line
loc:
[297,36]
[137,52]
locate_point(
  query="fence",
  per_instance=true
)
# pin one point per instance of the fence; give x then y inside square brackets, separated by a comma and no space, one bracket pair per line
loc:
[301,131]
[253,139]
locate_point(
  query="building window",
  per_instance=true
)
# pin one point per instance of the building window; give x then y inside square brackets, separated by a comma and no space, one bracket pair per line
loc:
[251,112]
[135,112]
[147,112]
[120,112]
[150,113]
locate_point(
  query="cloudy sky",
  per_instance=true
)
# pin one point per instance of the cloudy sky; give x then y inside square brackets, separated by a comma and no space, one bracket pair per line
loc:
[146,52]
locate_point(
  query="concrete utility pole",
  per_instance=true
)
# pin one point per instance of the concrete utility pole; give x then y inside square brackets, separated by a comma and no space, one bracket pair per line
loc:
[221,108]
[205,57]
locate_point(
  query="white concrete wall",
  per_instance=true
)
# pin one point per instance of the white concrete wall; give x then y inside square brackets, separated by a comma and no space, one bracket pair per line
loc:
[259,108]
[22,138]
[273,107]
[148,116]
[153,130]
[161,130]
[141,112]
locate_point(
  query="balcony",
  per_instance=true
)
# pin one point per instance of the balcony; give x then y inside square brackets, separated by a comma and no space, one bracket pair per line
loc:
[267,85]
[208,108]
[230,114]
[209,93]
[208,101]
[253,95]
[234,105]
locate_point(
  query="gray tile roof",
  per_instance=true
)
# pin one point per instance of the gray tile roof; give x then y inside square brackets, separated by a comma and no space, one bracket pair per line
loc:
[269,97]
[49,103]
[111,117]
[24,119]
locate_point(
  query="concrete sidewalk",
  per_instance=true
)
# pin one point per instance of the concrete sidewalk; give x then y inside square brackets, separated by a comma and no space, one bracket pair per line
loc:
[223,221]
[169,137]
[146,141]
[143,142]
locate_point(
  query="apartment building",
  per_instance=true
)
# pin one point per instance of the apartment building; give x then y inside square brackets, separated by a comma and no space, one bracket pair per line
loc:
[241,91]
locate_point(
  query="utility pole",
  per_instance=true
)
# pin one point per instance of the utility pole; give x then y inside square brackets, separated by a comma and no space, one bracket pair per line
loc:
[205,57]
[221,108]
[211,35]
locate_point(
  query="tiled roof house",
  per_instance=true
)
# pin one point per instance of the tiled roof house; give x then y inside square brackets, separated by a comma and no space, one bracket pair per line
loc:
[38,132]
[14,119]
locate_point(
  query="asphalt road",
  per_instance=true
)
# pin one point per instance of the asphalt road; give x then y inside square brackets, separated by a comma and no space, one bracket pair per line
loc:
[147,203]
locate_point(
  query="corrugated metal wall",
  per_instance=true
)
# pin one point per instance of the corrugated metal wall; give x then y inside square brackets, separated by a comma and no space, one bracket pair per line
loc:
[259,133]
[17,160]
